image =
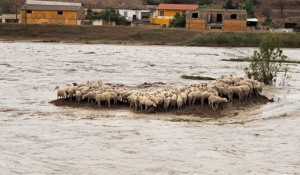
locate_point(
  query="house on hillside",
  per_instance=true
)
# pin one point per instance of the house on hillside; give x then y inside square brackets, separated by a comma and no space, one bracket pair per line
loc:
[141,15]
[135,15]
[166,12]
[220,19]
[52,12]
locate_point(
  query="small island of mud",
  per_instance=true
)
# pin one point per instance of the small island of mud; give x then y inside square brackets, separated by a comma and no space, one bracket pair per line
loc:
[151,99]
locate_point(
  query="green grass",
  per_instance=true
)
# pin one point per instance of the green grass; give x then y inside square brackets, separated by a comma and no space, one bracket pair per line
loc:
[242,39]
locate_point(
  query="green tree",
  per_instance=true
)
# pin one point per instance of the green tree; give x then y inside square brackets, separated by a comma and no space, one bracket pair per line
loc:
[178,20]
[6,6]
[248,6]
[203,2]
[110,14]
[154,2]
[229,4]
[280,4]
[266,62]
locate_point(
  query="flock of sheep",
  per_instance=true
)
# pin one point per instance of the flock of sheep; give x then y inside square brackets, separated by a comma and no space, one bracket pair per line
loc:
[163,98]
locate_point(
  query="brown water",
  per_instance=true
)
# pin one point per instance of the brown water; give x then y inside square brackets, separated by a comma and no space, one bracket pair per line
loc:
[39,138]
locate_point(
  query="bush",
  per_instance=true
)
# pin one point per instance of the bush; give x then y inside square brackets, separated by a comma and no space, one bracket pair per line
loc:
[178,20]
[109,14]
[266,62]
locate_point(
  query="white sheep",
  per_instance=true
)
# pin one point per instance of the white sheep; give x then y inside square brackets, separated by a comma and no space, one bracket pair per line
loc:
[78,96]
[62,92]
[214,101]
[179,101]
[167,103]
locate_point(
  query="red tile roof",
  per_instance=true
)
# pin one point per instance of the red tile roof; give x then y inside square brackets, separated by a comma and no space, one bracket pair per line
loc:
[190,7]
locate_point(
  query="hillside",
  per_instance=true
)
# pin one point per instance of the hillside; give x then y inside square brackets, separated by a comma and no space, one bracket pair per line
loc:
[291,8]
[290,11]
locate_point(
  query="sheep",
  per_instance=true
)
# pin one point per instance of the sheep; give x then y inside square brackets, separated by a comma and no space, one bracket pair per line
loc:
[62,92]
[102,97]
[148,103]
[227,80]
[124,97]
[191,97]
[78,96]
[247,84]
[184,97]
[167,103]
[226,91]
[179,101]
[258,88]
[214,101]
[113,96]
[246,91]
[173,101]
[204,96]
[237,91]
[71,91]
[90,95]
[196,96]
[133,100]
[145,101]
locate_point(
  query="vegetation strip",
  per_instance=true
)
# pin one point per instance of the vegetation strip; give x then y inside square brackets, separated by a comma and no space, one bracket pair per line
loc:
[248,60]
[140,35]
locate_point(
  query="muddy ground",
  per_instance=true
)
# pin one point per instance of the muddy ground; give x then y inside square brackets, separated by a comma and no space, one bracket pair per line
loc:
[195,113]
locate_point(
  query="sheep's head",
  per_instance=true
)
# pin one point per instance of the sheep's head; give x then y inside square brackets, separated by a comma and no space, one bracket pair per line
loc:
[225,100]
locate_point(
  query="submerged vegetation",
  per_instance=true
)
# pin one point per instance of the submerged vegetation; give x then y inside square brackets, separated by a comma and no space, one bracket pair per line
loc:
[267,62]
[192,77]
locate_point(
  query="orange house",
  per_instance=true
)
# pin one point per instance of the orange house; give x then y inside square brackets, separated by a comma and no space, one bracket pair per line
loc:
[166,12]
[50,12]
[217,19]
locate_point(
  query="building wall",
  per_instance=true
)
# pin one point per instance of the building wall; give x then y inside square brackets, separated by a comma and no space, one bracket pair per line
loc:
[169,12]
[162,21]
[207,19]
[234,25]
[198,24]
[52,17]
[130,13]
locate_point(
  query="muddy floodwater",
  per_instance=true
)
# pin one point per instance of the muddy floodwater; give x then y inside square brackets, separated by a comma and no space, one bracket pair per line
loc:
[39,138]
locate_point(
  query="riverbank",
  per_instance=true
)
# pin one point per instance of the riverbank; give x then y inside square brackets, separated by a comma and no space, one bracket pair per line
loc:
[139,36]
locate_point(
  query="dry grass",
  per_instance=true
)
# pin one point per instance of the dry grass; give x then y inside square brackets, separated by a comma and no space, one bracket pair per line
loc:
[138,35]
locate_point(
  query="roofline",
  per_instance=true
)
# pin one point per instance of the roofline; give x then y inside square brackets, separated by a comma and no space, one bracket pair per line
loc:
[158,7]
[38,2]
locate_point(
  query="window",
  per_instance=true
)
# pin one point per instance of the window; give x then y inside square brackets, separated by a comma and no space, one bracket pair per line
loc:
[219,18]
[233,16]
[161,13]
[60,12]
[194,15]
[125,13]
[134,17]
[28,11]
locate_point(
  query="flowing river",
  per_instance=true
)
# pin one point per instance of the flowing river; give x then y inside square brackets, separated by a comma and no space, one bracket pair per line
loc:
[39,138]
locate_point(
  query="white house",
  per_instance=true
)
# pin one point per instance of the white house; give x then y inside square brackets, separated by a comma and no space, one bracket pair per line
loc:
[134,15]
